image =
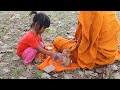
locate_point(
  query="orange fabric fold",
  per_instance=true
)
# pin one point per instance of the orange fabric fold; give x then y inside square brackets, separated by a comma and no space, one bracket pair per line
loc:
[56,64]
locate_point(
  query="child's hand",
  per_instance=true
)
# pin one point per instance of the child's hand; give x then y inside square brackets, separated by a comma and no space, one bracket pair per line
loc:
[54,56]
[44,56]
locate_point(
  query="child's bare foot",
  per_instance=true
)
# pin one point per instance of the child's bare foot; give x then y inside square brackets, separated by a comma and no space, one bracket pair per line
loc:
[38,60]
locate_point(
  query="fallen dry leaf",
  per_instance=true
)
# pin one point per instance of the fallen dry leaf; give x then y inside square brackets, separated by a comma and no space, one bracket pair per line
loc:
[105,76]
[3,64]
[45,76]
[81,73]
[55,75]
[1,43]
[68,76]
[107,72]
[6,37]
[116,75]
[89,72]
[15,57]
[21,77]
[114,67]
[5,46]
[29,67]
[9,50]
[109,69]
[6,70]
[99,70]
[1,55]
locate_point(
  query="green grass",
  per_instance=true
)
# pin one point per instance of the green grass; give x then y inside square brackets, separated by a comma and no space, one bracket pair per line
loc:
[39,73]
[75,71]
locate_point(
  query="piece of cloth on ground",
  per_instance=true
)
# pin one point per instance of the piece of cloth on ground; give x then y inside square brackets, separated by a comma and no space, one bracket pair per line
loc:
[56,64]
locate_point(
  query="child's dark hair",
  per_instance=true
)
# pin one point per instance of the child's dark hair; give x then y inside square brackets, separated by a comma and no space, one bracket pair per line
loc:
[41,18]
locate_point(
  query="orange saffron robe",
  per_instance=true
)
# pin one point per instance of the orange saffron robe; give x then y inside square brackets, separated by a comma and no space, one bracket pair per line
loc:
[97,36]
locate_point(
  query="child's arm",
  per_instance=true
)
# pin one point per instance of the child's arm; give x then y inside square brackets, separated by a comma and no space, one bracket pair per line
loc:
[53,55]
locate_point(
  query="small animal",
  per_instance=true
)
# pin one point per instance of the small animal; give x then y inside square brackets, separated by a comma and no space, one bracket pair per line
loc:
[66,57]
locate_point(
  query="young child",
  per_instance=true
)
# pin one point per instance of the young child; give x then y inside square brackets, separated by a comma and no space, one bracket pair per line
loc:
[31,44]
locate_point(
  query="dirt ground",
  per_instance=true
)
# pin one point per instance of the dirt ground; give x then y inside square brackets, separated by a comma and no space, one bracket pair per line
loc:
[15,24]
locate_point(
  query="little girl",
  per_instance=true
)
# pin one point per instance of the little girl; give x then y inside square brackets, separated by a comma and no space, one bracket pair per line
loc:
[31,44]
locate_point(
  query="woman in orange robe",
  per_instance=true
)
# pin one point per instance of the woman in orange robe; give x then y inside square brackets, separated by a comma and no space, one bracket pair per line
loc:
[96,39]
